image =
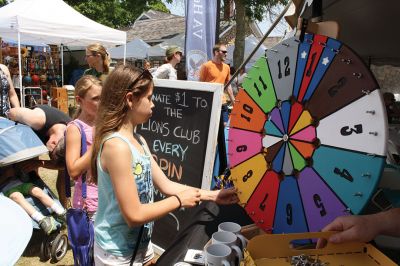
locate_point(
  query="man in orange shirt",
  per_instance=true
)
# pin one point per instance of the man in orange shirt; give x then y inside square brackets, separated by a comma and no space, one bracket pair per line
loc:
[217,71]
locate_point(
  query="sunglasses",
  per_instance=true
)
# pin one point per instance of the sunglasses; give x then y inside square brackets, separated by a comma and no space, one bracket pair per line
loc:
[145,73]
[224,52]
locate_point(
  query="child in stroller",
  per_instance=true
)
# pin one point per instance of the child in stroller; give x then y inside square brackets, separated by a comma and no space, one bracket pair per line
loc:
[19,146]
[18,186]
[33,195]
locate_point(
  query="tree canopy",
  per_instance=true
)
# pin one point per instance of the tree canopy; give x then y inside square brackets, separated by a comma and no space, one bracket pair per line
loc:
[115,13]
[257,9]
[249,10]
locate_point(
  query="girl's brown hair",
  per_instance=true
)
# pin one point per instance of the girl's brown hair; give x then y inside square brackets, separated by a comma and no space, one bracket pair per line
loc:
[82,86]
[113,108]
[97,48]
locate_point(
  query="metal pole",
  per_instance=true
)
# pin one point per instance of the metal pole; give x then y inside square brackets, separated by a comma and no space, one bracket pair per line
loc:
[21,90]
[124,53]
[259,44]
[62,65]
[217,24]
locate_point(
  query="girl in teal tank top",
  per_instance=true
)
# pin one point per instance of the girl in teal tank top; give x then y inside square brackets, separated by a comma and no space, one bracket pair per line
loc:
[127,173]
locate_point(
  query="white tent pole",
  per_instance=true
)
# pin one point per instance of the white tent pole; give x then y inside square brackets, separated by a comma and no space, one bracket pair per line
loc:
[62,65]
[21,91]
[124,53]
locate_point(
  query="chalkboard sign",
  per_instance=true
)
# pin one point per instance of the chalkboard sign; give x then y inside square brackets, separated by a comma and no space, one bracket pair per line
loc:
[182,136]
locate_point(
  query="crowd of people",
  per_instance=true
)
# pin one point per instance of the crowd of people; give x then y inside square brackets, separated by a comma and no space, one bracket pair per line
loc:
[118,167]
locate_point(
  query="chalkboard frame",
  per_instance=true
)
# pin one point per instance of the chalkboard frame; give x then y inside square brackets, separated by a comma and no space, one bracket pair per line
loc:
[216,89]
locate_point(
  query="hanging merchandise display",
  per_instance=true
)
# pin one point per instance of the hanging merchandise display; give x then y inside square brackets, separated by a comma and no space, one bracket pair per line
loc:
[40,70]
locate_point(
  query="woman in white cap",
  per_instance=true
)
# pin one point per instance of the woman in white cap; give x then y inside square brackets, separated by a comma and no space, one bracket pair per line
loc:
[167,70]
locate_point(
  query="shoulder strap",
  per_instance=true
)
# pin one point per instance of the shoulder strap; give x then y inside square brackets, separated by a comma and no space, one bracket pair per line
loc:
[137,245]
[145,148]
[137,137]
[83,151]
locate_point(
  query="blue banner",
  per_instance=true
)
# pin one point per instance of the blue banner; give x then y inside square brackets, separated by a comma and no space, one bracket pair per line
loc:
[200,34]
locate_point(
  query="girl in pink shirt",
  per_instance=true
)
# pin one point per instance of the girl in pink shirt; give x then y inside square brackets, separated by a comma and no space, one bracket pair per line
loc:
[87,95]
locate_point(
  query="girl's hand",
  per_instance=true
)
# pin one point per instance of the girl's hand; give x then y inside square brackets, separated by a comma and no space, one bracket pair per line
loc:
[189,197]
[226,196]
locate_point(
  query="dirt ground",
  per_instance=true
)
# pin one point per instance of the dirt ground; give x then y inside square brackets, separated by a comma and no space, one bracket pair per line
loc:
[31,256]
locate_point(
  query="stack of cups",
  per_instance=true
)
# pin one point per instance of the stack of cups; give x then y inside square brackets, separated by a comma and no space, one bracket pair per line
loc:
[226,248]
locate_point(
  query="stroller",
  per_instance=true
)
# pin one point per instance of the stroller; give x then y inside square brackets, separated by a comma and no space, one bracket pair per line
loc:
[18,143]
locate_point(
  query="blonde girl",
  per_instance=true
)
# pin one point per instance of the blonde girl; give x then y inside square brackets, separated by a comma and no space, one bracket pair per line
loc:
[127,173]
[87,95]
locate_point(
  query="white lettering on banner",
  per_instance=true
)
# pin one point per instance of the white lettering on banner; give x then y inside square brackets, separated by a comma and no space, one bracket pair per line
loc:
[197,23]
[198,34]
[191,135]
[198,9]
[170,148]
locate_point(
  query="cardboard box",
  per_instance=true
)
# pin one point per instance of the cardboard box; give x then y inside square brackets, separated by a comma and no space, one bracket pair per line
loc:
[277,250]
[59,99]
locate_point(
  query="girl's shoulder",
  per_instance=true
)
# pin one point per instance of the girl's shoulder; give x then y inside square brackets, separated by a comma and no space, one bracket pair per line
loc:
[115,139]
[116,145]
[80,124]
[74,124]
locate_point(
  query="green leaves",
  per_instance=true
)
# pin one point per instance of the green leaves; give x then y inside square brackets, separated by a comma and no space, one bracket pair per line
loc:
[115,13]
[3,2]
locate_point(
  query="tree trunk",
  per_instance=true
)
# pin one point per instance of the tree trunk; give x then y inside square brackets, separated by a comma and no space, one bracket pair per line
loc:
[241,20]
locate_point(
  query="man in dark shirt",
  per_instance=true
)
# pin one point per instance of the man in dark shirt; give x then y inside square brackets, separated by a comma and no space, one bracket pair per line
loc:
[49,124]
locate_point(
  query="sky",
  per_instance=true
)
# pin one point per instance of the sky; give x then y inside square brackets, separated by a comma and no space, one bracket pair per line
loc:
[178,8]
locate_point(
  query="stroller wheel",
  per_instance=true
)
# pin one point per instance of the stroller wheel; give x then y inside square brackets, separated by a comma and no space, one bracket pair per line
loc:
[59,247]
[45,249]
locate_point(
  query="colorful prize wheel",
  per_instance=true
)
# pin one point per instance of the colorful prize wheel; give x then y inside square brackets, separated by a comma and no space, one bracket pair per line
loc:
[307,138]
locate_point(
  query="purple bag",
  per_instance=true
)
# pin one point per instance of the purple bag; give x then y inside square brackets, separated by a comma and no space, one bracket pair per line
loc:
[81,236]
[80,227]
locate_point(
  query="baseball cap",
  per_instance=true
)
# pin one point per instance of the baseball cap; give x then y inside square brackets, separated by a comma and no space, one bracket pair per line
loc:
[171,50]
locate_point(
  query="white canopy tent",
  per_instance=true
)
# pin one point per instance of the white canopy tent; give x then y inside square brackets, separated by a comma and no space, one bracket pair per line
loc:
[43,22]
[136,48]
